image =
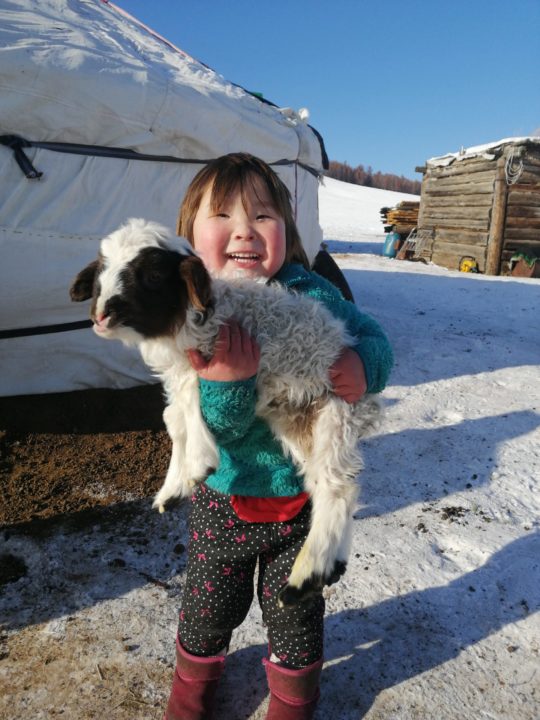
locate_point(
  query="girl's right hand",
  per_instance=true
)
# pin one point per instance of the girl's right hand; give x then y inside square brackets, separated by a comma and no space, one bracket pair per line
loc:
[236,356]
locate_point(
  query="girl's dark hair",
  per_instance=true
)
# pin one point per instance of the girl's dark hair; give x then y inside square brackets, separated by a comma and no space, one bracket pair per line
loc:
[230,174]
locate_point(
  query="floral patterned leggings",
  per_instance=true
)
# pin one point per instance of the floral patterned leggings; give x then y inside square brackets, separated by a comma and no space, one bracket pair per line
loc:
[222,558]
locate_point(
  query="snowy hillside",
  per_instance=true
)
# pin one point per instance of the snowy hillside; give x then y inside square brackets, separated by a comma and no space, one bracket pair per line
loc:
[350,215]
[437,617]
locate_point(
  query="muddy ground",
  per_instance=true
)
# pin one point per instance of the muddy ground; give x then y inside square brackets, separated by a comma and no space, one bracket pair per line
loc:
[66,452]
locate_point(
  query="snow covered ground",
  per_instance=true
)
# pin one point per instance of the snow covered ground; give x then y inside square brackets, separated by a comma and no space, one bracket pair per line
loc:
[437,616]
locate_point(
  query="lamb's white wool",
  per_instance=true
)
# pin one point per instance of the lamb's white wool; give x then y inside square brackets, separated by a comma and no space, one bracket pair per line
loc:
[120,248]
[123,244]
[299,341]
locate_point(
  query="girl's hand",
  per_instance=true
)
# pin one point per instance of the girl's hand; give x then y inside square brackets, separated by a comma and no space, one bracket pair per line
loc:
[348,376]
[236,356]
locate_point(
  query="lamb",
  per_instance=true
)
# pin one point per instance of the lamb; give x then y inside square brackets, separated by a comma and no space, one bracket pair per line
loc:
[162,300]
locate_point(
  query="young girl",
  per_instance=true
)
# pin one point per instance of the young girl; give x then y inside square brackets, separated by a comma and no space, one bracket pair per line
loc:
[252,510]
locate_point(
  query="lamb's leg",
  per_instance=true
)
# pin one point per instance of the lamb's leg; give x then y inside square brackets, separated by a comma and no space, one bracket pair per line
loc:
[201,451]
[330,478]
[176,483]
[194,451]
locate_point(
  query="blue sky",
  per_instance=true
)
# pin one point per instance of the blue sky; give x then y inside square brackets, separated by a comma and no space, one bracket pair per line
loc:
[388,83]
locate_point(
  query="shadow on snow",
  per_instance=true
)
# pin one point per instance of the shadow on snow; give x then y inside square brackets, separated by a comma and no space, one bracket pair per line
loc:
[445,327]
[427,464]
[384,645]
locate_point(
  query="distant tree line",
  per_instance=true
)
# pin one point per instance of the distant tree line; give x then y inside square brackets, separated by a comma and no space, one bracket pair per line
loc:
[365,176]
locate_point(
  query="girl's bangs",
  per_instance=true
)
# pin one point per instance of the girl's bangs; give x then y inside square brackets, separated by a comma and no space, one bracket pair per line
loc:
[233,180]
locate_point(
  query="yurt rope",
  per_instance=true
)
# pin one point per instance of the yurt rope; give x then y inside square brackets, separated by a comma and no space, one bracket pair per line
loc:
[512,175]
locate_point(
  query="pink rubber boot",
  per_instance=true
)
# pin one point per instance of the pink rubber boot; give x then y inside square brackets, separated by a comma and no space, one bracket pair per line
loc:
[293,693]
[194,686]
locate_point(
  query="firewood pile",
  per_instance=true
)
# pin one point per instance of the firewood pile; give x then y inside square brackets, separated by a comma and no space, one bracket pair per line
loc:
[402,218]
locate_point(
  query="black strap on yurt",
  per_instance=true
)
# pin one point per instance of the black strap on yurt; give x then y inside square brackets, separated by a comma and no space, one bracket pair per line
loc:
[45,329]
[16,143]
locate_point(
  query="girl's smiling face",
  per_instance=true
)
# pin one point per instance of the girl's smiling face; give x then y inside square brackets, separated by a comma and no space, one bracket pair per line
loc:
[246,234]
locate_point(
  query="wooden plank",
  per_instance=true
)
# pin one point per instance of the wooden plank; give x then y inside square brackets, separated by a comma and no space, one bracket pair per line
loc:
[403,229]
[468,188]
[460,249]
[523,222]
[513,233]
[467,237]
[393,217]
[403,217]
[521,187]
[454,234]
[463,167]
[456,223]
[529,177]
[459,213]
[519,196]
[496,227]
[520,235]
[522,211]
[473,200]
[463,178]
[451,259]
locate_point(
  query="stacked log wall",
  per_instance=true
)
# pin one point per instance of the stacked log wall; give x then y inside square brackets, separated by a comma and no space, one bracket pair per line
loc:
[456,205]
[472,210]
[522,226]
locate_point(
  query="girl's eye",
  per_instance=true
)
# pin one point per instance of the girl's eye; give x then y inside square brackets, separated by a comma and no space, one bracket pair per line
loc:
[262,216]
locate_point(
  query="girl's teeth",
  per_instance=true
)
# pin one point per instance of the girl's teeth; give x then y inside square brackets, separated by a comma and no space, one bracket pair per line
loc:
[244,257]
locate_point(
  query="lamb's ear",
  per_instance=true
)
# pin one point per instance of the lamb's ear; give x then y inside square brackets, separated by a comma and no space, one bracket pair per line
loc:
[198,283]
[83,285]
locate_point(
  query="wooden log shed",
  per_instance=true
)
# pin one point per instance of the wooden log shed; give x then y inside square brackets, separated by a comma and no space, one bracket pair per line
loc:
[482,202]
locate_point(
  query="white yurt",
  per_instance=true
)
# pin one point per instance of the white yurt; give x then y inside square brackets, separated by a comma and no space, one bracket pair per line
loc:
[101,119]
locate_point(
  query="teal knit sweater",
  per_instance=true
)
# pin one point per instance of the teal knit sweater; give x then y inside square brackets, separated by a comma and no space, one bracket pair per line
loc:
[251,461]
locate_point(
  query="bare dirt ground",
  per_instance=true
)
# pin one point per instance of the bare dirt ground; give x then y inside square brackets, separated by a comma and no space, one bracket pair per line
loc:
[67,452]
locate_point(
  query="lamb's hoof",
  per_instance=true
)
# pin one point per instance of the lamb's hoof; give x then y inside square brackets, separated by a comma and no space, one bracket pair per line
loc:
[337,571]
[163,505]
[159,506]
[290,595]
